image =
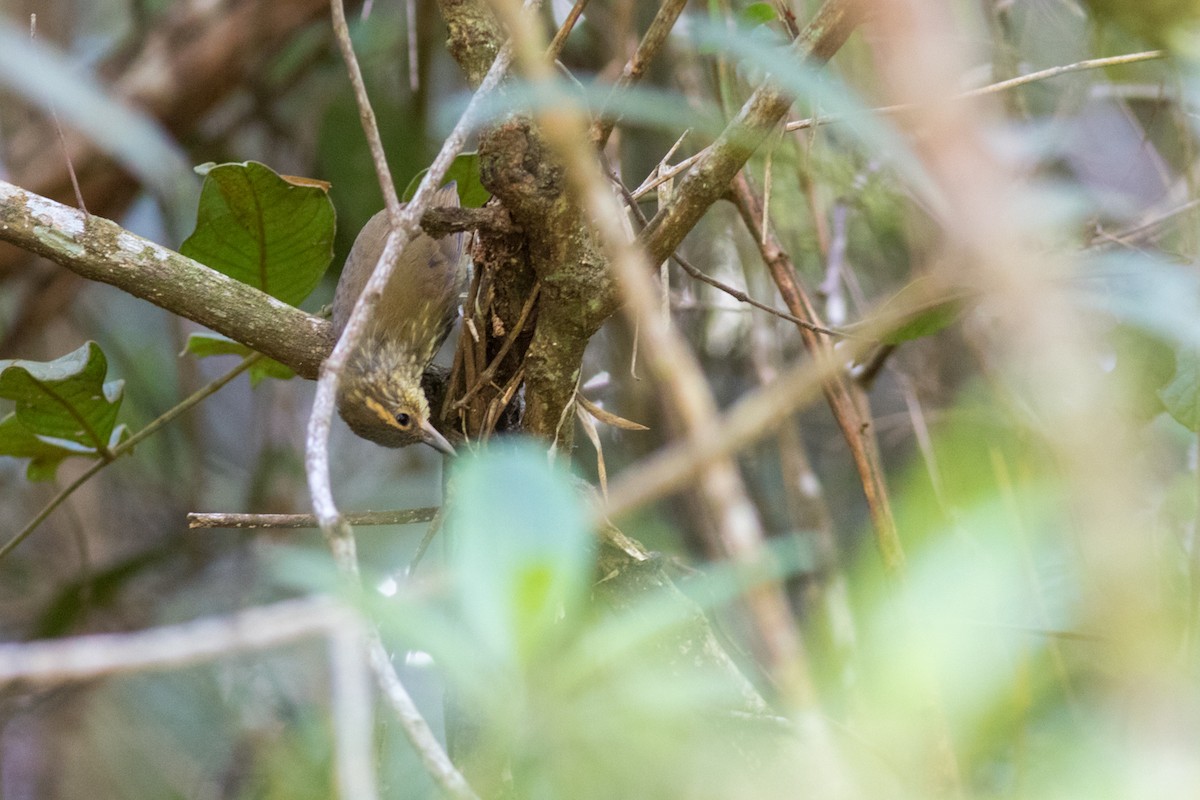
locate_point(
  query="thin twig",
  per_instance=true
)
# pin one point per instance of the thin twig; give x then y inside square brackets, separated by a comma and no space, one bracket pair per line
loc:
[405,516]
[127,446]
[352,707]
[700,275]
[62,140]
[435,526]
[993,88]
[505,346]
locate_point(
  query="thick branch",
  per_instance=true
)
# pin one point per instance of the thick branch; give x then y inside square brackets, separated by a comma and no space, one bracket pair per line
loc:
[475,36]
[101,250]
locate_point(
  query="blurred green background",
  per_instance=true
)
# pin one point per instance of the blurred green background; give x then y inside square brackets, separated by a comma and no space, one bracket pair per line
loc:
[1041,450]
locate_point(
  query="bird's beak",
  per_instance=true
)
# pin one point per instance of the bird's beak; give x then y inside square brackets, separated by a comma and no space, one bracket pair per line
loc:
[431,437]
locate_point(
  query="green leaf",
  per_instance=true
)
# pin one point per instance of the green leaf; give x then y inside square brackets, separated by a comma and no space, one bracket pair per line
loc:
[263,230]
[522,550]
[1182,395]
[465,171]
[925,319]
[44,457]
[63,408]
[1145,363]
[758,14]
[203,345]
[67,398]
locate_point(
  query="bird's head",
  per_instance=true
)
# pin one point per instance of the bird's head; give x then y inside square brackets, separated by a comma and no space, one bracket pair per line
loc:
[381,399]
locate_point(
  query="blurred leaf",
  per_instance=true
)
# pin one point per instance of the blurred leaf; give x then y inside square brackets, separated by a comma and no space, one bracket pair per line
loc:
[1182,395]
[521,548]
[465,171]
[635,105]
[1145,364]
[64,407]
[1160,23]
[926,320]
[758,14]
[822,90]
[263,230]
[203,345]
[1150,293]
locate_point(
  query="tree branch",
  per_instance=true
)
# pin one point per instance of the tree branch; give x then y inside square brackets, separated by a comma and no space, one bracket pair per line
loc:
[101,250]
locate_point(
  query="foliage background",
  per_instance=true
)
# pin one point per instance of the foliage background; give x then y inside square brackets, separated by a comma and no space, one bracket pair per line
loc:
[1042,639]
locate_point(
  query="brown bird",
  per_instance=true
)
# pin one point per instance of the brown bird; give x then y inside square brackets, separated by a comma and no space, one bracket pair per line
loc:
[380,395]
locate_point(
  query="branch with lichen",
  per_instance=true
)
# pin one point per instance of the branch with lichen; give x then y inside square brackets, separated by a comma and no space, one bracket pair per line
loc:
[100,250]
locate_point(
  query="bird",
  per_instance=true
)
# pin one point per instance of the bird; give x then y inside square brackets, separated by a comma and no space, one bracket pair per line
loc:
[380,395]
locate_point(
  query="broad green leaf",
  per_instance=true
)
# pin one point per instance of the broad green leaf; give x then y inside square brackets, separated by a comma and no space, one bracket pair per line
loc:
[44,457]
[1182,395]
[203,345]
[65,399]
[263,230]
[464,170]
[758,14]
[520,547]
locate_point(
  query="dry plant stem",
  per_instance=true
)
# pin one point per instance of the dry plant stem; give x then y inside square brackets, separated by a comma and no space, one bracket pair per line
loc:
[102,251]
[435,527]
[127,447]
[845,400]
[407,516]
[490,370]
[366,114]
[715,168]
[653,40]
[685,391]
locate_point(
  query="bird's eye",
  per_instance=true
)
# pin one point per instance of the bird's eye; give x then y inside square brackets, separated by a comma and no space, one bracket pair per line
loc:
[403,420]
